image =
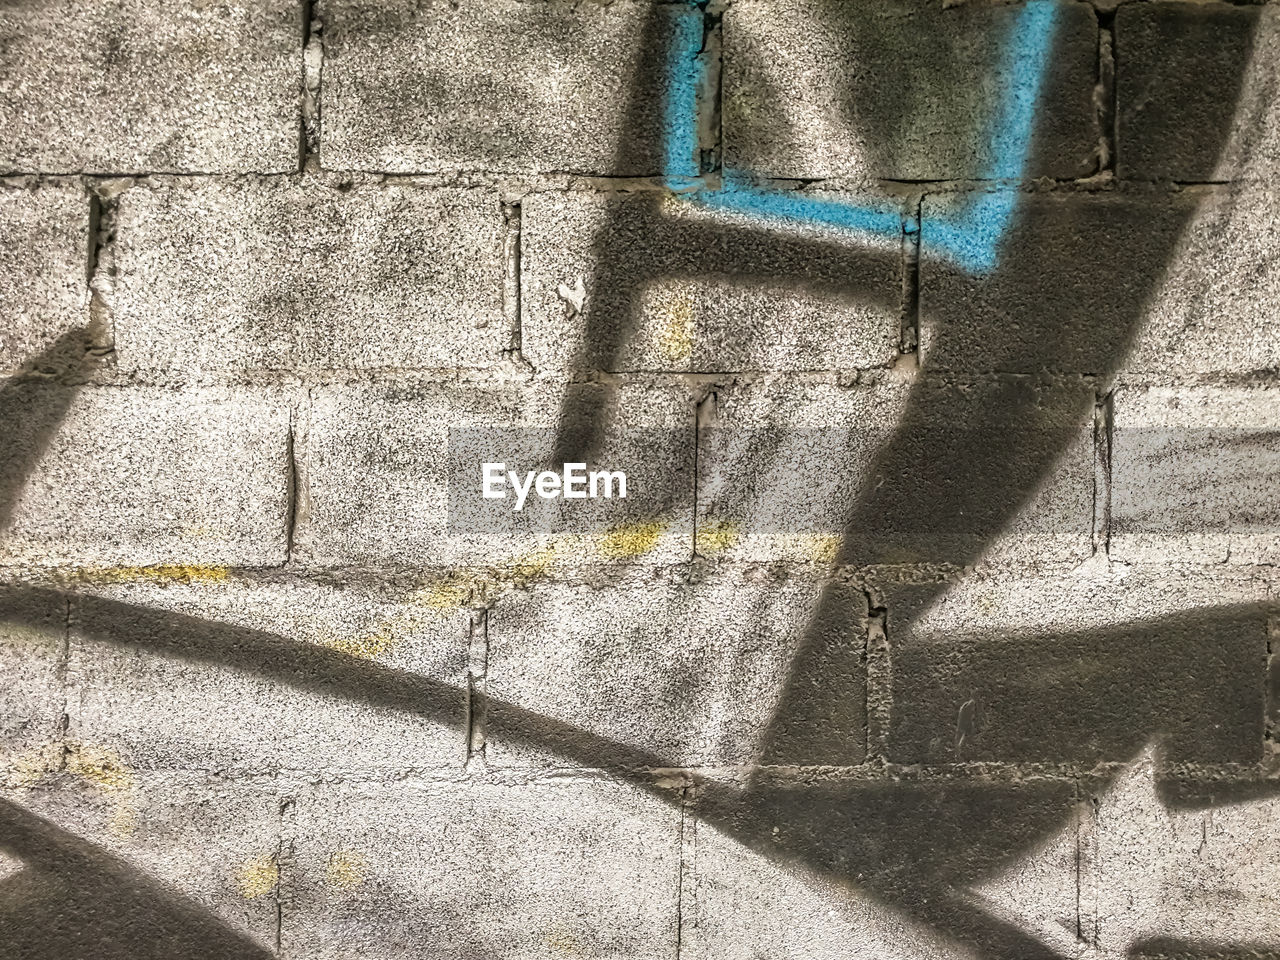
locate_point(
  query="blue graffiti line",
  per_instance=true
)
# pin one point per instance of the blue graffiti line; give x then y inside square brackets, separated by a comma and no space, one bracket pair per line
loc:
[969,236]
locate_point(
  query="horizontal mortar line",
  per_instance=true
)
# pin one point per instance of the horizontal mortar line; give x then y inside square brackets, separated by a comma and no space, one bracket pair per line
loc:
[175,381]
[1008,772]
[640,573]
[101,574]
[555,182]
[141,174]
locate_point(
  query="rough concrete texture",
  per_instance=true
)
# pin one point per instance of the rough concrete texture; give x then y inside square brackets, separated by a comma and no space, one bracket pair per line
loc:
[1194,475]
[687,673]
[31,695]
[1216,321]
[226,674]
[1085,666]
[495,86]
[131,856]
[779,466]
[643,282]
[919,849]
[379,488]
[260,275]
[1143,862]
[941,618]
[149,476]
[781,471]
[903,90]
[411,869]
[44,249]
[742,905]
[1187,110]
[1068,295]
[126,86]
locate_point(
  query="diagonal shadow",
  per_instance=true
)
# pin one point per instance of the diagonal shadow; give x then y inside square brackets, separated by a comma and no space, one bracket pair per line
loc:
[1075,288]
[912,845]
[73,900]
[33,403]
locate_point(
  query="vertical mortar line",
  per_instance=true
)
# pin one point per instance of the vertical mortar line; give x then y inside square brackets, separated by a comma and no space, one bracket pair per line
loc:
[680,878]
[512,249]
[909,331]
[1075,789]
[100,261]
[697,443]
[477,674]
[688,858]
[1104,95]
[1270,681]
[710,115]
[284,858]
[291,486]
[64,677]
[1103,427]
[312,72]
[95,220]
[704,416]
[875,659]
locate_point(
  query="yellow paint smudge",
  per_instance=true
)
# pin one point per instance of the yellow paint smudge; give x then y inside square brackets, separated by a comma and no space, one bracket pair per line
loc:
[675,333]
[164,573]
[820,548]
[632,539]
[716,536]
[346,869]
[477,586]
[101,767]
[26,769]
[531,567]
[561,941]
[368,646]
[258,876]
[448,592]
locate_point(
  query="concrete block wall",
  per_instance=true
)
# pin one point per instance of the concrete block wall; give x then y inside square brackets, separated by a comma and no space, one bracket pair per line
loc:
[939,621]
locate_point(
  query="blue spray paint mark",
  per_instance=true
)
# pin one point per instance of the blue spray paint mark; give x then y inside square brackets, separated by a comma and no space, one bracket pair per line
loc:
[685,71]
[793,207]
[969,237]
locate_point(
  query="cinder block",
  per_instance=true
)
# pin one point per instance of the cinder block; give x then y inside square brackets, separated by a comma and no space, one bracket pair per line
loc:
[44,249]
[687,674]
[394,474]
[217,673]
[32,640]
[1215,310]
[1082,667]
[413,869]
[904,90]
[1196,91]
[115,857]
[1194,475]
[780,465]
[127,86]
[252,275]
[837,867]
[496,86]
[1150,860]
[742,904]
[146,476]
[1071,284]
[891,471]
[666,283]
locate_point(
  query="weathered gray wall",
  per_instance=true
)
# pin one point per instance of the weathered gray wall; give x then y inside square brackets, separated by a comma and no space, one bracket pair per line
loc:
[949,633]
